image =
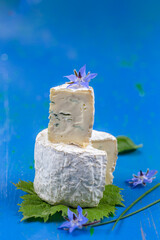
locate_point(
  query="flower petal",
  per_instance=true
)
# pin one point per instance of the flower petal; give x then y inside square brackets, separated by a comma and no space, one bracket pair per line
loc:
[135,179]
[66,224]
[83,71]
[70,214]
[132,179]
[73,85]
[147,180]
[136,183]
[140,172]
[90,76]
[151,173]
[84,84]
[79,209]
[71,77]
[83,221]
[71,229]
[134,176]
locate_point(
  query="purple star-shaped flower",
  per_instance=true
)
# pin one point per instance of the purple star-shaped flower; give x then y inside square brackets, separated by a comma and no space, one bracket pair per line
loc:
[80,79]
[74,221]
[142,178]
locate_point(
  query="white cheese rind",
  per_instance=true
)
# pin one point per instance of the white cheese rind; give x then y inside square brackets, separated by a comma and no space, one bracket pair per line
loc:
[71,115]
[68,174]
[107,142]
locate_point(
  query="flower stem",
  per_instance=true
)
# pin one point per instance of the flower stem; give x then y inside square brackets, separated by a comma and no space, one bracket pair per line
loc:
[128,215]
[91,223]
[132,204]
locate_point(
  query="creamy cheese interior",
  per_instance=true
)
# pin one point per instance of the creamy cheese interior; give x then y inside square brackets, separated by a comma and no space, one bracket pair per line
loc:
[71,115]
[107,142]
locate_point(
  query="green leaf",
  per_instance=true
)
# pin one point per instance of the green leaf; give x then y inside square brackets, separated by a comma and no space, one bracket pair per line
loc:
[99,212]
[91,231]
[33,206]
[112,196]
[125,144]
[25,186]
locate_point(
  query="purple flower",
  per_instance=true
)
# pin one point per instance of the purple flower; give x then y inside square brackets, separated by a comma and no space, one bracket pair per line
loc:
[80,79]
[142,178]
[74,221]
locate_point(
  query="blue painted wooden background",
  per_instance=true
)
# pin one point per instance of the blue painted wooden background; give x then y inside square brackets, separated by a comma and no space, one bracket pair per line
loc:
[40,42]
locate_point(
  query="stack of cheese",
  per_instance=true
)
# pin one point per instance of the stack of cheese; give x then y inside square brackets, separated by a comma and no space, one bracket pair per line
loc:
[73,162]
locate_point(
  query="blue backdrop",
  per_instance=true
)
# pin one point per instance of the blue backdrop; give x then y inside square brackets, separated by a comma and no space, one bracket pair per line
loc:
[40,42]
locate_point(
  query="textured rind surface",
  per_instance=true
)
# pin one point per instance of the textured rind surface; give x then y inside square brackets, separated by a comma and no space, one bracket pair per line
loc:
[101,136]
[106,142]
[71,115]
[68,174]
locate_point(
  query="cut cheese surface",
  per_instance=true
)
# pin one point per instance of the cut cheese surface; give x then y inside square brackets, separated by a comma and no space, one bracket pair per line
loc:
[71,115]
[68,174]
[107,142]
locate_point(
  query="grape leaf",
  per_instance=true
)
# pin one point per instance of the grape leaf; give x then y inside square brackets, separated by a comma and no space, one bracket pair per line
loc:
[125,144]
[114,197]
[33,206]
[25,186]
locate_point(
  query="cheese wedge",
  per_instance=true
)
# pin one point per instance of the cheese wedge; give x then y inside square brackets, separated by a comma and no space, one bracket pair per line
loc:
[71,115]
[107,142]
